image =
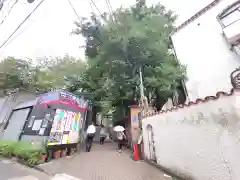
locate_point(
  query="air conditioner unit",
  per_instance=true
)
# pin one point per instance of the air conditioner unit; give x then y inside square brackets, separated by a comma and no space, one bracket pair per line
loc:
[232,33]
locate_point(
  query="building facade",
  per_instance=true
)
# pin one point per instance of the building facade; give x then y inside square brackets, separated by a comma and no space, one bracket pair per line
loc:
[8,103]
[208,44]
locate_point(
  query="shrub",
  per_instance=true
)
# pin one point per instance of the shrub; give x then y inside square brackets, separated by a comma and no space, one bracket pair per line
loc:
[26,152]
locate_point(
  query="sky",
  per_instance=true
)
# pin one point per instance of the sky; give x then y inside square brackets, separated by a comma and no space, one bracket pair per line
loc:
[48,31]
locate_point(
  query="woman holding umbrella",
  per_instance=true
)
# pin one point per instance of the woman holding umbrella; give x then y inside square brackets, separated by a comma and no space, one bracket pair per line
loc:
[120,136]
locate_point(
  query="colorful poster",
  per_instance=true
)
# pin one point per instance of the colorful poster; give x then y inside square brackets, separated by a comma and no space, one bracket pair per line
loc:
[69,120]
[135,130]
[65,127]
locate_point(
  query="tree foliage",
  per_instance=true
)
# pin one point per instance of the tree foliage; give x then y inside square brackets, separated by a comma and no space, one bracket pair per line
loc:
[47,75]
[118,45]
[15,74]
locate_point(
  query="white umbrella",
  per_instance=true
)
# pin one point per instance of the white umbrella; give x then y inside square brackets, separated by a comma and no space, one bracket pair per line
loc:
[118,128]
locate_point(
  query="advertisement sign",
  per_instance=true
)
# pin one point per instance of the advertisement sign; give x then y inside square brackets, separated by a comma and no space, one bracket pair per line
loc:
[47,97]
[64,98]
[135,130]
[65,128]
[71,99]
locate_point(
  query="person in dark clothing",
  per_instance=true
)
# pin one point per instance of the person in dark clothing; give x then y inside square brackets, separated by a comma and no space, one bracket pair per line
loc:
[120,137]
[91,130]
[102,139]
[102,135]
[89,141]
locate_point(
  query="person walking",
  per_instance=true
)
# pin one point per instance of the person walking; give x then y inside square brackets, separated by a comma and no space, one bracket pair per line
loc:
[120,138]
[102,135]
[91,130]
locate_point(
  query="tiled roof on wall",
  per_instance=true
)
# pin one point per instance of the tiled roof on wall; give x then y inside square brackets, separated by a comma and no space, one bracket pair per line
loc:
[204,100]
[195,16]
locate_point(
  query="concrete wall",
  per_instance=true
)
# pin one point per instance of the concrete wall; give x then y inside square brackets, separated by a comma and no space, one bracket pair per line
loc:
[201,46]
[201,141]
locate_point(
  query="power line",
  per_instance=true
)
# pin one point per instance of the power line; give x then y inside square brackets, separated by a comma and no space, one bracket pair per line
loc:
[21,23]
[91,7]
[110,5]
[79,18]
[1,4]
[15,37]
[109,9]
[96,7]
[8,13]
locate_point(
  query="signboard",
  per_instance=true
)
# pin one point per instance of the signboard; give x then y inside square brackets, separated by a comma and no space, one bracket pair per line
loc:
[65,128]
[63,97]
[135,130]
[47,97]
[71,99]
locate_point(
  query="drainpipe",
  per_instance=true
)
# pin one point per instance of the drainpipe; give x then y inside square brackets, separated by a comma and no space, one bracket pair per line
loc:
[182,81]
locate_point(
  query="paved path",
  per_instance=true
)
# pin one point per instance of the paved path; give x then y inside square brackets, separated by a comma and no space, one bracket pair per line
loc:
[104,163]
[9,170]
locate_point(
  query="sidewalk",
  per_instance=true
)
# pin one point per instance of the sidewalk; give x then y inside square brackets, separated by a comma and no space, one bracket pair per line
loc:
[104,163]
[10,170]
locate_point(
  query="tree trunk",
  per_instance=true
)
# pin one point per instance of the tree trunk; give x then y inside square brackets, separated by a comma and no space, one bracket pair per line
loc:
[159,101]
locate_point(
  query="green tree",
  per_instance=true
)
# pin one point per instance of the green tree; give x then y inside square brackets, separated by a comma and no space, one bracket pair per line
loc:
[49,73]
[54,73]
[15,74]
[118,46]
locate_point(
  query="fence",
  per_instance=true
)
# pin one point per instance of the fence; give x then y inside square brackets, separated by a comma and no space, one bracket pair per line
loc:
[200,140]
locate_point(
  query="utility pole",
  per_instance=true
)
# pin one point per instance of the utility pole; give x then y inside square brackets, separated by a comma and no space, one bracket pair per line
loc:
[141,86]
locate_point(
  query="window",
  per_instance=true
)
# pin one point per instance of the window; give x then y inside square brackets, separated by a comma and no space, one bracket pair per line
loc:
[230,15]
[231,18]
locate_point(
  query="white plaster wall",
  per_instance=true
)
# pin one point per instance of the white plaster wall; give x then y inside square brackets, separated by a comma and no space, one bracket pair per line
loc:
[203,149]
[201,46]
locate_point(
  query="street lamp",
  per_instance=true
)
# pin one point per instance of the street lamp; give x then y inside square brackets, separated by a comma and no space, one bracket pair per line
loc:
[30,1]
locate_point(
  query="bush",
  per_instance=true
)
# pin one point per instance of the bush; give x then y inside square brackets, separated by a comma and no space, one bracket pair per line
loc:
[26,152]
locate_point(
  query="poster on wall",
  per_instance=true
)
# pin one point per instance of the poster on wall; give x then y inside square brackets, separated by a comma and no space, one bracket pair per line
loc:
[31,121]
[65,128]
[135,130]
[37,124]
[41,131]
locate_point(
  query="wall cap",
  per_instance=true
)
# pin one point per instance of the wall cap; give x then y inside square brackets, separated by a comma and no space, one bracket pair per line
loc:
[191,103]
[195,16]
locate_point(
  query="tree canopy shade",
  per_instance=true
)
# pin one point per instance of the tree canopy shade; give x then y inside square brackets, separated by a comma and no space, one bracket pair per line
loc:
[118,44]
